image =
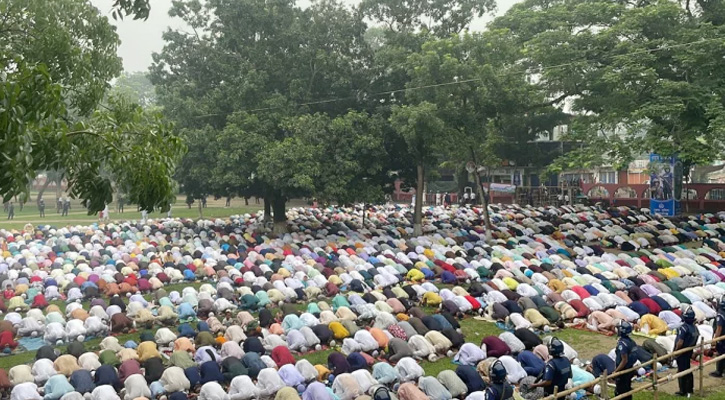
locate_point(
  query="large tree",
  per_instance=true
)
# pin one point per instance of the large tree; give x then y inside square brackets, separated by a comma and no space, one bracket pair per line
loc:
[485,99]
[56,60]
[640,76]
[424,134]
[251,72]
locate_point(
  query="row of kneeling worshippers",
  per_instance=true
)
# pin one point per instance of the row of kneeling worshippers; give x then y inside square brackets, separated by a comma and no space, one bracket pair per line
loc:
[218,373]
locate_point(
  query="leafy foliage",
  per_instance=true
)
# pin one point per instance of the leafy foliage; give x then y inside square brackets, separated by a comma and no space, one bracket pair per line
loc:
[56,60]
[139,9]
[135,87]
[257,101]
[640,77]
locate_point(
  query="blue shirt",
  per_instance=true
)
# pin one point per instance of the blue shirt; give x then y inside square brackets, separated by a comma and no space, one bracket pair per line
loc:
[601,363]
[532,364]
[625,346]
[639,308]
[688,334]
[720,321]
[558,372]
[498,391]
[443,321]
[661,302]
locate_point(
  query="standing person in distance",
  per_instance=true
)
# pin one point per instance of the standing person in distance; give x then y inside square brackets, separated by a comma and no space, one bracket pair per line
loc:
[719,329]
[557,371]
[687,336]
[625,359]
[499,388]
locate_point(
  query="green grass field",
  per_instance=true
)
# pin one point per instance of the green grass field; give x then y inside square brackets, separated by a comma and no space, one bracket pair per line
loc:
[80,216]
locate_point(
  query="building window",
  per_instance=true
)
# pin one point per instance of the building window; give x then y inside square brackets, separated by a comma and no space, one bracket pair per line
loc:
[715,194]
[574,179]
[608,177]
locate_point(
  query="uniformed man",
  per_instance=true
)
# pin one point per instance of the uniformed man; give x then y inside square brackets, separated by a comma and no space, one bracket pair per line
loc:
[557,371]
[499,388]
[41,208]
[625,359]
[719,329]
[687,336]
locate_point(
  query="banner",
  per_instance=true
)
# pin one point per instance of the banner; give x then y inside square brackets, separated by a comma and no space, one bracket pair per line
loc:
[503,188]
[664,188]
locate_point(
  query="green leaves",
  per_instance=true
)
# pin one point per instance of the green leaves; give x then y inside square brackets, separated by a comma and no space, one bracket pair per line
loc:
[640,78]
[57,59]
[139,9]
[421,129]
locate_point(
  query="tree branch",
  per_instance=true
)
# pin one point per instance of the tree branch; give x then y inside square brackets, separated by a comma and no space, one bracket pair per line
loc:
[554,101]
[98,135]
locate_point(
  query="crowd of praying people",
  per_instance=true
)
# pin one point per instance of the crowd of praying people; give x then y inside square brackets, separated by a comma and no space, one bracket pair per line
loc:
[380,300]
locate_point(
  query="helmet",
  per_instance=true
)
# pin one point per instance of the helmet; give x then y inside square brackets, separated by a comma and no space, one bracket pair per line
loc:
[498,372]
[624,329]
[556,347]
[689,315]
[381,393]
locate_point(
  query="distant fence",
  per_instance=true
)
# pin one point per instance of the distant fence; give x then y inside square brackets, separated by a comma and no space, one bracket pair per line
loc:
[697,197]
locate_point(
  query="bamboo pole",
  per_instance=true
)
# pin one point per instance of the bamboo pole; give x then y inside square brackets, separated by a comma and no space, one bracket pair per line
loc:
[654,377]
[633,391]
[604,386]
[701,367]
[668,356]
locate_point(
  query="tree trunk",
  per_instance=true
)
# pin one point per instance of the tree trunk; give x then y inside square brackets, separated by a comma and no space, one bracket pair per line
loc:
[42,190]
[201,214]
[418,210]
[484,201]
[279,208]
[58,184]
[687,188]
[267,209]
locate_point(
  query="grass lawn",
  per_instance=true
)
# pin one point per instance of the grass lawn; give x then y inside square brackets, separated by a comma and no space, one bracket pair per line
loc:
[76,217]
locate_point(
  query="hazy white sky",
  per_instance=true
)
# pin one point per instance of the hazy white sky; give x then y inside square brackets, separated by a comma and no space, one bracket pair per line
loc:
[139,39]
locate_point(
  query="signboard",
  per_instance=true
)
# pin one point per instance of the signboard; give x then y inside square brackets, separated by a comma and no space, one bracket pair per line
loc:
[665,190]
[503,188]
[517,178]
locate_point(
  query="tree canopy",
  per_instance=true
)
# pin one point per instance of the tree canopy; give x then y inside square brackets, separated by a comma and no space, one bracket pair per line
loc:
[57,60]
[334,102]
[640,77]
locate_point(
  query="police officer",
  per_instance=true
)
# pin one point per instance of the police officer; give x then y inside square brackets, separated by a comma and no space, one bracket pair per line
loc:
[719,329]
[557,371]
[625,359]
[499,389]
[687,336]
